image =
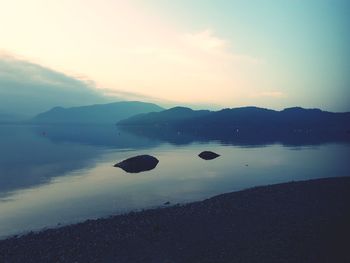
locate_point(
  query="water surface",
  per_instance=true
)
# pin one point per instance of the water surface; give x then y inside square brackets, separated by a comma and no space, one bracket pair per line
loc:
[52,175]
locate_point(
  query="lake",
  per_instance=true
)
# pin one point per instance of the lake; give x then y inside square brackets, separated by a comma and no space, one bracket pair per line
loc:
[54,175]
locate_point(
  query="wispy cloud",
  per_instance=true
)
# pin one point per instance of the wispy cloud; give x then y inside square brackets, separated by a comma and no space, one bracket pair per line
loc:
[29,88]
[125,48]
[206,41]
[128,95]
[183,67]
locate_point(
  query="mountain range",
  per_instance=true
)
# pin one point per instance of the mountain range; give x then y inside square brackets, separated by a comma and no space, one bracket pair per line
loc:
[243,118]
[245,124]
[95,114]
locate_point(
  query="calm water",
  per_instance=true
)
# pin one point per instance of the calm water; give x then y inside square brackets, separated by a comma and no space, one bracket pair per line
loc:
[59,175]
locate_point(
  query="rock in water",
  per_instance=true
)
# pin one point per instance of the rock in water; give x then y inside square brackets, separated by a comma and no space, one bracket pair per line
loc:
[208,155]
[138,164]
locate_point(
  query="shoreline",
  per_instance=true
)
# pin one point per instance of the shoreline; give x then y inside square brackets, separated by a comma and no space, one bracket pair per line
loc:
[305,221]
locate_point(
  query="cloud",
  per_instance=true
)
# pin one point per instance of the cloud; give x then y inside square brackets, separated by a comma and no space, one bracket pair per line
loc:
[197,67]
[206,41]
[210,44]
[28,88]
[128,95]
[128,48]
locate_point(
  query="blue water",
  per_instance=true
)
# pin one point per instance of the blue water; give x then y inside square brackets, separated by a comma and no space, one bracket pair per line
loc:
[53,175]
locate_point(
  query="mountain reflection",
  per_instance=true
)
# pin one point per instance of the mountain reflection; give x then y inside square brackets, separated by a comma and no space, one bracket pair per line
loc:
[297,137]
[33,155]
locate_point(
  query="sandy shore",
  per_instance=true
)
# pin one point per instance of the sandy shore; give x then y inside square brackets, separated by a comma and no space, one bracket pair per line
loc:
[293,222]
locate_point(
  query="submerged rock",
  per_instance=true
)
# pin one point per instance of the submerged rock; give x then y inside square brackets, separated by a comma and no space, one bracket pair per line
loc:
[208,155]
[138,164]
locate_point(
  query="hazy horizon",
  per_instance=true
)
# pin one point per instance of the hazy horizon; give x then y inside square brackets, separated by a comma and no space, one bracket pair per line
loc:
[200,54]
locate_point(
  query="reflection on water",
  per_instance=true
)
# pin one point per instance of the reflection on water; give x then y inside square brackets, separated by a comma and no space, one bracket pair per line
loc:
[34,155]
[51,175]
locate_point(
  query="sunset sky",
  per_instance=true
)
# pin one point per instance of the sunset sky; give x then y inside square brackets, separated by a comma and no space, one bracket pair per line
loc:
[203,53]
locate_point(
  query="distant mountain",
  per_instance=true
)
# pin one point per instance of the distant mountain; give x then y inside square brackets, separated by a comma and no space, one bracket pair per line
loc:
[171,116]
[99,113]
[245,124]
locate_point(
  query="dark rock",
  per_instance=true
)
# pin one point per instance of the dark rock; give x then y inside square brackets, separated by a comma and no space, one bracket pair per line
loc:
[208,155]
[138,164]
[167,203]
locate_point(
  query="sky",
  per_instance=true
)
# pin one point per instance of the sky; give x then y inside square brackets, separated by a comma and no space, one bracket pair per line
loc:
[27,89]
[201,53]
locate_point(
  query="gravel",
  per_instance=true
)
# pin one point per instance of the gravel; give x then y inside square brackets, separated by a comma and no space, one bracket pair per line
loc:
[292,222]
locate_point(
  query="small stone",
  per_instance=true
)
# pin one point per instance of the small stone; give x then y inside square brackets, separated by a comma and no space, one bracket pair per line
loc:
[208,155]
[138,164]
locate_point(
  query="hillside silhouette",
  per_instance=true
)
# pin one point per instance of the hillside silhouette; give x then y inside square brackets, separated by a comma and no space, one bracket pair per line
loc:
[246,125]
[99,113]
